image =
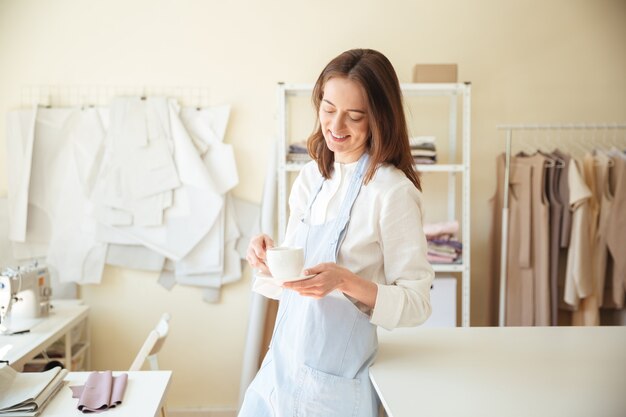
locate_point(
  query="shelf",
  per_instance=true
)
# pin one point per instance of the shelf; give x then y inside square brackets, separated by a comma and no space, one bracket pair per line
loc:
[297,166]
[407,89]
[448,267]
[440,168]
[459,129]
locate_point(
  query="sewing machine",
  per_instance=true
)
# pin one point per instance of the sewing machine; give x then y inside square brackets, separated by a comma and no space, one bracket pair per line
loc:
[24,294]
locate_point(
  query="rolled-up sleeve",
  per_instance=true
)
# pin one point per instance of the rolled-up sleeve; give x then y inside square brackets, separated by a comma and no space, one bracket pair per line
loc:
[403,300]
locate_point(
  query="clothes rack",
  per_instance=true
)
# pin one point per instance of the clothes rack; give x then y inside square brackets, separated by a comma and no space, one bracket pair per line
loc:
[509,129]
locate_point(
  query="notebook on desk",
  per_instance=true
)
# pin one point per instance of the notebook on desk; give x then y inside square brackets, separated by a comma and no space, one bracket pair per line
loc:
[27,394]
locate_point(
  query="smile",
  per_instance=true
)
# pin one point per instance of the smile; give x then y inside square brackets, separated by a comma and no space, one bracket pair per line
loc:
[337,137]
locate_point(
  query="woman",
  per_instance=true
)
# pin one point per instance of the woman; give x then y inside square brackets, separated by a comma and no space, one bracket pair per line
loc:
[356,211]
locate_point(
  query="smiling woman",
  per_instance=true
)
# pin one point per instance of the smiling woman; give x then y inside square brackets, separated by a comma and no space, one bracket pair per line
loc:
[356,212]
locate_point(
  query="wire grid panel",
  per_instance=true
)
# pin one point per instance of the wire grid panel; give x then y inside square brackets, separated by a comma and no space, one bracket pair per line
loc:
[101,95]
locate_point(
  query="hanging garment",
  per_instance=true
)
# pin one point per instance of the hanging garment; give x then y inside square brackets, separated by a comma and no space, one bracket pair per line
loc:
[208,126]
[564,309]
[196,203]
[74,253]
[601,251]
[20,138]
[29,235]
[190,272]
[588,313]
[540,239]
[616,230]
[553,175]
[566,222]
[50,153]
[519,292]
[138,173]
[318,360]
[65,152]
[578,281]
[134,257]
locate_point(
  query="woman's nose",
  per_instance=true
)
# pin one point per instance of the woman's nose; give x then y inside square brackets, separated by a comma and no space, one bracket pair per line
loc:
[338,122]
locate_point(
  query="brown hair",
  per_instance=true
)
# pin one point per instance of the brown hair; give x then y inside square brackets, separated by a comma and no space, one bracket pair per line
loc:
[389,138]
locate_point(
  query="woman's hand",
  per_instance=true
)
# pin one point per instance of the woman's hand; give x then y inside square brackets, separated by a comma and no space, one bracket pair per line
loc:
[331,276]
[255,254]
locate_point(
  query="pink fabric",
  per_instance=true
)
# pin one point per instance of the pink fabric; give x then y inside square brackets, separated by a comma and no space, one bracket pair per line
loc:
[101,391]
[439,259]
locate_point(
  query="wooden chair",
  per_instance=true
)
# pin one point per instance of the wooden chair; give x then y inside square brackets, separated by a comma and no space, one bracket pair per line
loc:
[151,347]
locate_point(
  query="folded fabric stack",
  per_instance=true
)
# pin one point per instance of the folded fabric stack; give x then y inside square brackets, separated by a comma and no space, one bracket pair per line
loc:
[101,391]
[298,152]
[423,150]
[26,394]
[443,245]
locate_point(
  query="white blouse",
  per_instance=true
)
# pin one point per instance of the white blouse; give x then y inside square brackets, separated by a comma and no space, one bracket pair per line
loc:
[384,243]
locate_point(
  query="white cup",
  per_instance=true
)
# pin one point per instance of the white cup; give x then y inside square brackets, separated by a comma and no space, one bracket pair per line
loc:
[285,262]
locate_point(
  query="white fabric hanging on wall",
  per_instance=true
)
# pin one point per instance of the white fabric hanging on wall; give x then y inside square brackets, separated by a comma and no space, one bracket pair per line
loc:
[208,126]
[134,257]
[74,255]
[20,139]
[196,203]
[59,290]
[131,186]
[65,149]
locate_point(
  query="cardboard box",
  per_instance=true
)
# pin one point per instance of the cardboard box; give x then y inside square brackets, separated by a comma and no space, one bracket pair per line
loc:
[435,73]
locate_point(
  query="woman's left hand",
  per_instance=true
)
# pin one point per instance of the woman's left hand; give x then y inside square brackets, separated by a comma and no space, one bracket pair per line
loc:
[330,276]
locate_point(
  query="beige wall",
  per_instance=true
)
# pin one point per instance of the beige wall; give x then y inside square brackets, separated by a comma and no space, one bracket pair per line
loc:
[560,60]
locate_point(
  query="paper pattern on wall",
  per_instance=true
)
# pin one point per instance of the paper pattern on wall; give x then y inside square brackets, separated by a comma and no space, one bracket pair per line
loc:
[131,185]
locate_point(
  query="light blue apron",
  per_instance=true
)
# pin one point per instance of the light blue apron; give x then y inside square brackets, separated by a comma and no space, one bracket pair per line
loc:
[321,349]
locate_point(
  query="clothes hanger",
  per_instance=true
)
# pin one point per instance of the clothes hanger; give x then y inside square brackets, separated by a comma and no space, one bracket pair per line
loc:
[579,142]
[526,148]
[560,163]
[537,146]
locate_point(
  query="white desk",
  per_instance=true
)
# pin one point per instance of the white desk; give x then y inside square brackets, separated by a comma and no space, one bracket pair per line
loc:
[542,371]
[144,396]
[64,316]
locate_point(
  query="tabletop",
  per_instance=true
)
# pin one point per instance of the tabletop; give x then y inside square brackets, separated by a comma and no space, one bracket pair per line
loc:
[509,371]
[20,348]
[145,394]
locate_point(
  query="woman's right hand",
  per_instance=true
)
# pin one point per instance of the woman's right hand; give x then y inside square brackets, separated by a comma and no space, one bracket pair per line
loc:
[256,252]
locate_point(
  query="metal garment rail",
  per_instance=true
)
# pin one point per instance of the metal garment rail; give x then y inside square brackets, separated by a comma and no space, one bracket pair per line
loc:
[509,129]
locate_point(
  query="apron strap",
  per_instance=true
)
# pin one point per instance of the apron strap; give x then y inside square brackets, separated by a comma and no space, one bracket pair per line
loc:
[342,220]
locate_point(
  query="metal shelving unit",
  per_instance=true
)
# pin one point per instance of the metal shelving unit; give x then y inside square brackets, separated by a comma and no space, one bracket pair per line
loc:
[454,91]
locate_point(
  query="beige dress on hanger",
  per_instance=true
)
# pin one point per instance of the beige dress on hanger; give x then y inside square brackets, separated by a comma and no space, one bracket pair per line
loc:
[588,313]
[578,282]
[601,250]
[527,281]
[540,238]
[616,232]
[519,280]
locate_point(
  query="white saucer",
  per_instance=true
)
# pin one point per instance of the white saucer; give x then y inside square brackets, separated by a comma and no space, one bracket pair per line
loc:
[300,278]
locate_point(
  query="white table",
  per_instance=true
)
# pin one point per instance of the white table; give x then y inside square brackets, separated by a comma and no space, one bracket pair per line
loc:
[144,396]
[64,317]
[540,371]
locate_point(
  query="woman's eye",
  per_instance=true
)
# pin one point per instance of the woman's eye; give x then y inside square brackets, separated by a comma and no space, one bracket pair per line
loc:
[355,118]
[328,110]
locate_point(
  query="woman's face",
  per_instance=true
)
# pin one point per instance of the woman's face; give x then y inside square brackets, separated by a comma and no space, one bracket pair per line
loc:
[343,119]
